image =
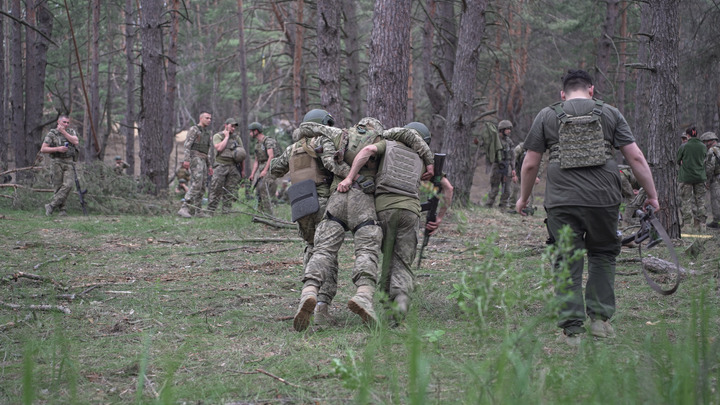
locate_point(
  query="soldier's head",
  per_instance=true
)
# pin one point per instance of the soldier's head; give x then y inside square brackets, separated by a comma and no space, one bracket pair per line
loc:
[255,128]
[231,124]
[422,129]
[576,80]
[63,121]
[205,119]
[118,159]
[371,123]
[683,137]
[709,139]
[691,132]
[319,116]
[504,127]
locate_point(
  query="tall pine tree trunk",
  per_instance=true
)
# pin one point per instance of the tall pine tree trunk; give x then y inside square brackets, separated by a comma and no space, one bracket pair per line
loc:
[242,61]
[328,56]
[169,105]
[129,127]
[153,165]
[4,138]
[460,163]
[664,105]
[389,62]
[17,92]
[298,105]
[91,149]
[352,60]
[606,47]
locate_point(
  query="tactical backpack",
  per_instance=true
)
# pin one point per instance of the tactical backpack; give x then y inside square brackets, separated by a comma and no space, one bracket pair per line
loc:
[353,140]
[400,171]
[304,165]
[582,142]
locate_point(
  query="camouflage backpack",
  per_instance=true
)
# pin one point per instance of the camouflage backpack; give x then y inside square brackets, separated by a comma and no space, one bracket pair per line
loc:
[582,142]
[353,140]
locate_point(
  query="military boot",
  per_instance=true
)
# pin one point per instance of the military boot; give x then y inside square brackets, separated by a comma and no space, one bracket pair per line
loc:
[184,212]
[308,299]
[362,303]
[322,314]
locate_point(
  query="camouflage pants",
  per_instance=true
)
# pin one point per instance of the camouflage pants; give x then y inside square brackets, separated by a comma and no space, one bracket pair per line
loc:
[399,278]
[223,186]
[715,198]
[515,194]
[632,206]
[306,228]
[264,190]
[62,179]
[196,189]
[355,209]
[498,178]
[693,202]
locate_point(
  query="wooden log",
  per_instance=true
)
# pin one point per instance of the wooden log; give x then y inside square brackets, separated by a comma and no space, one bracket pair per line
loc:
[660,266]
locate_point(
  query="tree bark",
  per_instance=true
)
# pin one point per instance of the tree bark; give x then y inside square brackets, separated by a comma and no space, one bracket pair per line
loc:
[129,127]
[152,164]
[389,61]
[353,71]
[328,57]
[171,95]
[36,60]
[622,74]
[4,134]
[461,112]
[603,86]
[17,92]
[298,110]
[94,108]
[242,61]
[642,111]
[664,104]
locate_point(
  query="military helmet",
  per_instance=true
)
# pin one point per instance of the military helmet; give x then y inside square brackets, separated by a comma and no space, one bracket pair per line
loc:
[118,158]
[255,125]
[422,129]
[504,124]
[319,116]
[709,136]
[239,155]
[181,181]
[371,123]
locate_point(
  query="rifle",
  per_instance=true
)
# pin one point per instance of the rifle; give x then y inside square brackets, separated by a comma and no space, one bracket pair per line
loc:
[431,205]
[80,192]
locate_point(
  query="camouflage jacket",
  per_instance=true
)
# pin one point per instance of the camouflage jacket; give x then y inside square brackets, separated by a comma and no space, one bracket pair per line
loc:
[198,139]
[261,148]
[712,163]
[54,139]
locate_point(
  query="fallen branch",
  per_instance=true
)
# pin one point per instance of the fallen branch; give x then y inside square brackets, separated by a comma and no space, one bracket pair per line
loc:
[273,223]
[31,276]
[282,380]
[20,170]
[37,266]
[57,308]
[660,266]
[37,190]
[260,240]
[214,251]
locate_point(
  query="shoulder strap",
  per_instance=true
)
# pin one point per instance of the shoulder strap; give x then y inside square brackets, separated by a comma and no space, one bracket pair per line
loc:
[561,115]
[307,148]
[598,107]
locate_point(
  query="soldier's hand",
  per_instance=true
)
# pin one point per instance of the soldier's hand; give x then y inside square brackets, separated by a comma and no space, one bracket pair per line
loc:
[520,206]
[345,185]
[62,149]
[430,171]
[433,226]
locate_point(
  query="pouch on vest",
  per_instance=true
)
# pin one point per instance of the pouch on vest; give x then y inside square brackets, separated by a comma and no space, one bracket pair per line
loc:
[303,199]
[400,171]
[304,165]
[582,142]
[358,138]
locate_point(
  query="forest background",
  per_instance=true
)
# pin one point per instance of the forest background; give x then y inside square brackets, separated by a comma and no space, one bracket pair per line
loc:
[146,69]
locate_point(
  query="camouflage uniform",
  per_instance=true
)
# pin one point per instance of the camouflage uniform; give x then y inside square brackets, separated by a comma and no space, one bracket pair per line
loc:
[307,225]
[692,177]
[199,152]
[354,210]
[120,167]
[712,171]
[518,155]
[226,177]
[62,168]
[500,175]
[265,187]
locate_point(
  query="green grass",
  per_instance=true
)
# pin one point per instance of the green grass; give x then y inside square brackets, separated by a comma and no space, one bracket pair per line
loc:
[168,325]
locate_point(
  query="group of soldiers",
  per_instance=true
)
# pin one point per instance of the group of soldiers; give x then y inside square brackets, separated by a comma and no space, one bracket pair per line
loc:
[699,161]
[364,179]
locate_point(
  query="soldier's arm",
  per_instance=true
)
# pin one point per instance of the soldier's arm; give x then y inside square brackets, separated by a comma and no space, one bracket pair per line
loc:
[313,129]
[189,140]
[340,169]
[70,136]
[280,165]
[362,157]
[709,164]
[640,168]
[413,140]
[528,173]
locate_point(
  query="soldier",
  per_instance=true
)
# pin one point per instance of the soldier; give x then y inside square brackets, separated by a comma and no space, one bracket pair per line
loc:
[712,171]
[502,167]
[312,158]
[397,205]
[583,193]
[692,180]
[352,210]
[264,151]
[61,143]
[518,157]
[198,155]
[120,166]
[228,169]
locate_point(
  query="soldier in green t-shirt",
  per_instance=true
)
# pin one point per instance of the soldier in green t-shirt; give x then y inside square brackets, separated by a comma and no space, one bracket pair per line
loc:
[61,143]
[226,176]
